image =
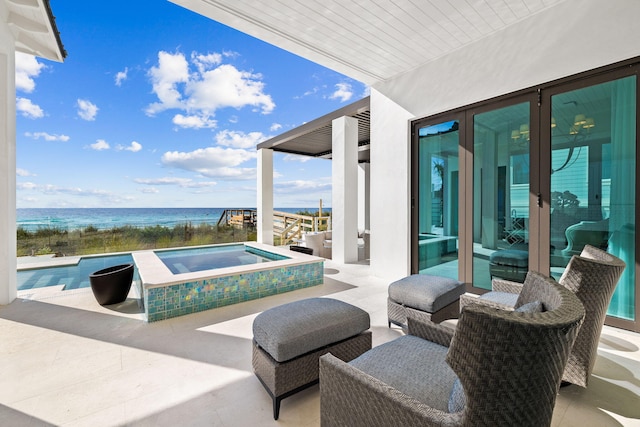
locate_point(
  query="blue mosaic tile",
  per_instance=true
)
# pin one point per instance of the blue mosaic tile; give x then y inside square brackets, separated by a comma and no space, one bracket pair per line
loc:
[191,297]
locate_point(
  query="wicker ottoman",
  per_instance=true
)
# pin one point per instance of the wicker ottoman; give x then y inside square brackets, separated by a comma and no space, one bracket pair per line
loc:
[509,264]
[424,297]
[288,341]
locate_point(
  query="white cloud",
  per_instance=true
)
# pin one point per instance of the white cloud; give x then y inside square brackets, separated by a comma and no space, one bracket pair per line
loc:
[26,186]
[343,92]
[163,181]
[307,93]
[301,186]
[87,110]
[226,86]
[201,184]
[204,62]
[211,86]
[51,189]
[24,172]
[215,162]
[27,67]
[134,147]
[296,158]
[151,190]
[238,139]
[28,108]
[274,127]
[47,136]
[100,145]
[180,182]
[121,76]
[194,122]
[171,70]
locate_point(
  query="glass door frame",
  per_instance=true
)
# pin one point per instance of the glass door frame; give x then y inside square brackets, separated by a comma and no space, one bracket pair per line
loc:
[591,79]
[534,188]
[415,181]
[540,172]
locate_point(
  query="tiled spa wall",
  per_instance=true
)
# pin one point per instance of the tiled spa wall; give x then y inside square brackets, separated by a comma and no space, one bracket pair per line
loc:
[185,298]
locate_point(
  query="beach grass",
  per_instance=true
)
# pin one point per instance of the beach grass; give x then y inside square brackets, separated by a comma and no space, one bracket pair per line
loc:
[91,240]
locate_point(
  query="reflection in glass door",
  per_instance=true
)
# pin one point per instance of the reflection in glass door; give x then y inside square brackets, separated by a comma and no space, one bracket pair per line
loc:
[593,175]
[437,200]
[501,194]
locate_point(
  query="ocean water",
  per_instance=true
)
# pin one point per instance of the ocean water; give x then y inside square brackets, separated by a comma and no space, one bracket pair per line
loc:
[106,218]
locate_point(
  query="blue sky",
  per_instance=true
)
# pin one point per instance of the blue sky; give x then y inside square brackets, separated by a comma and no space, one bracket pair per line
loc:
[156,106]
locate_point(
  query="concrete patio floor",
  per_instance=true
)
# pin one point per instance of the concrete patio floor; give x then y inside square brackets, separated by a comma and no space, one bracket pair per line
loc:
[66,361]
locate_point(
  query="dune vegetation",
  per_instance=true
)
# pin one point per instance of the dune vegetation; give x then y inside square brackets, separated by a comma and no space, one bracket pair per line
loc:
[91,240]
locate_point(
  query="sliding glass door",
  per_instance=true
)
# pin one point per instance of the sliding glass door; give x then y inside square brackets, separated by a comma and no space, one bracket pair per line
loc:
[435,238]
[593,179]
[526,181]
[501,145]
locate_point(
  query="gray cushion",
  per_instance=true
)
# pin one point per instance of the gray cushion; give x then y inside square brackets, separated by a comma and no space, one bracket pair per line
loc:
[426,292]
[505,298]
[531,307]
[511,257]
[413,366]
[457,399]
[293,329]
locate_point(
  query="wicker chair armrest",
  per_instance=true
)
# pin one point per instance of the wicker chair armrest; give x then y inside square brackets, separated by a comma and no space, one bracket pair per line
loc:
[500,285]
[434,332]
[466,300]
[349,397]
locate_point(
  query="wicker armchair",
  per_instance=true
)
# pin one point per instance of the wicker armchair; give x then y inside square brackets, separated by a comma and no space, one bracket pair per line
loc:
[592,276]
[509,366]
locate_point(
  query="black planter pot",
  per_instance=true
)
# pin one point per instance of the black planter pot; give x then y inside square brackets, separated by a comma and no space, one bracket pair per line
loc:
[111,285]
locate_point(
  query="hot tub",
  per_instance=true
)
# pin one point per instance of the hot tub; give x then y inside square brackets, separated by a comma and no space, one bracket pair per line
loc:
[192,286]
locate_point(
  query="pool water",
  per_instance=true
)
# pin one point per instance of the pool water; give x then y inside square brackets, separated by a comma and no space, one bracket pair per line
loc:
[199,259]
[71,276]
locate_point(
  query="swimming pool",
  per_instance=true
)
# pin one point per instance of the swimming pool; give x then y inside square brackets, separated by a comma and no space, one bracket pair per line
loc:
[73,274]
[198,283]
[206,258]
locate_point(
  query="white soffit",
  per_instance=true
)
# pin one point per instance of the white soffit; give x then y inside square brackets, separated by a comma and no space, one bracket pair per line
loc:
[369,40]
[33,27]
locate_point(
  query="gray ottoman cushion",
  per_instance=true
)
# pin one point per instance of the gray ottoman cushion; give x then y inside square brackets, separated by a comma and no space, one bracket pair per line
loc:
[426,292]
[505,298]
[293,329]
[394,363]
[512,257]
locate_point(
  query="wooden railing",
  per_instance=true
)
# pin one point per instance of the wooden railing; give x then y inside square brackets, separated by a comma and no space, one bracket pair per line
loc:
[290,227]
[239,217]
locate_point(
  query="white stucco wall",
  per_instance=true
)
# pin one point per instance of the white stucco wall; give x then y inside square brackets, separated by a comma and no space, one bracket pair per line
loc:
[8,258]
[390,184]
[572,37]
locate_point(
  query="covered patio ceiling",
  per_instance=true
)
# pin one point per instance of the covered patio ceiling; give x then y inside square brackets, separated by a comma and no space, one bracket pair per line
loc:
[314,138]
[370,40]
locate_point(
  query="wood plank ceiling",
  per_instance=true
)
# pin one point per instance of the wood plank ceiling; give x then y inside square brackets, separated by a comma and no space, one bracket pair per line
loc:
[369,40]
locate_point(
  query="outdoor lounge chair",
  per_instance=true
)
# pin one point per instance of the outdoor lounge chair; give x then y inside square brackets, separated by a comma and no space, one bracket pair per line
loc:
[509,365]
[315,241]
[592,276]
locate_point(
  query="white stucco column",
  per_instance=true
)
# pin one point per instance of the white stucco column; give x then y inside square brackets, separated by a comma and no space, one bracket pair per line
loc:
[364,180]
[265,196]
[344,192]
[8,261]
[391,190]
